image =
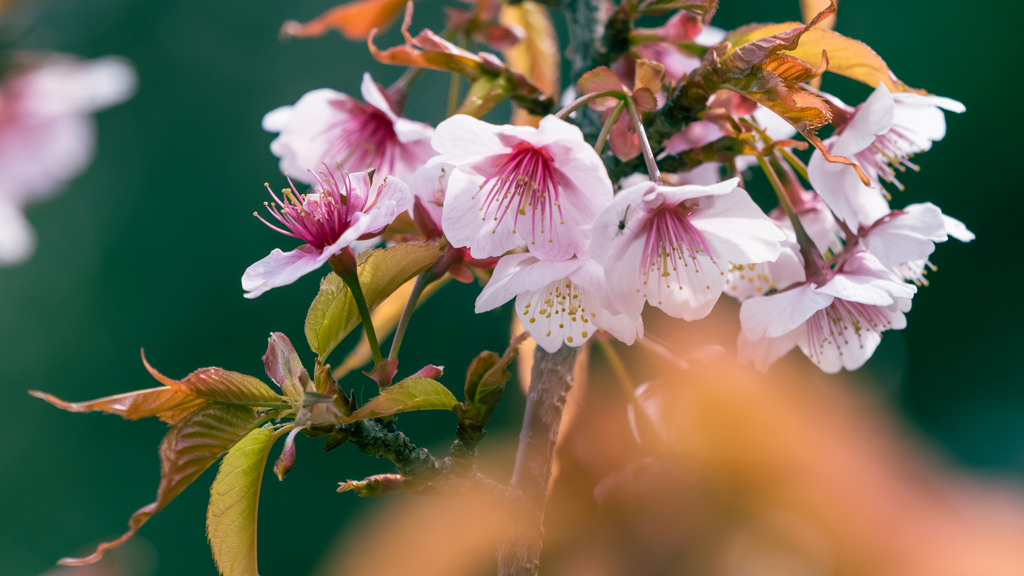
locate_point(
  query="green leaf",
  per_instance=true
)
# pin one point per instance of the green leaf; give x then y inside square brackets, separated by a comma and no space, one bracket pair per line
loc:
[408,395]
[165,403]
[189,448]
[333,313]
[234,501]
[222,385]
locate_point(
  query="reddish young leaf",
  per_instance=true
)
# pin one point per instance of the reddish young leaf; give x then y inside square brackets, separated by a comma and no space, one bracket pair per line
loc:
[354,20]
[378,485]
[384,372]
[221,385]
[284,366]
[165,403]
[600,79]
[189,448]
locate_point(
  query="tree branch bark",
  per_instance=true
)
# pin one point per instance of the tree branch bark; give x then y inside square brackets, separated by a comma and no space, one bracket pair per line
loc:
[519,554]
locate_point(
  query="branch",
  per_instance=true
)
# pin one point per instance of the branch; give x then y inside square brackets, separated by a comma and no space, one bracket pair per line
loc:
[519,555]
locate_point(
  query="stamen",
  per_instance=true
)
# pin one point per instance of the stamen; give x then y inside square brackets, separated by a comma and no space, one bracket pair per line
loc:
[832,326]
[672,244]
[526,183]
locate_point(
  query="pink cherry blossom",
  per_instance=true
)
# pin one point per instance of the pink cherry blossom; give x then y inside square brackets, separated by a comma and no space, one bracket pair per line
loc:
[837,323]
[428,185]
[47,135]
[904,239]
[881,135]
[328,127]
[557,302]
[671,246]
[518,184]
[344,208]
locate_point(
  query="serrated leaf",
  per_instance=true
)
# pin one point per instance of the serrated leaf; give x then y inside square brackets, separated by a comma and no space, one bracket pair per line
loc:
[165,403]
[333,313]
[234,501]
[408,395]
[188,449]
[221,385]
[284,366]
[847,57]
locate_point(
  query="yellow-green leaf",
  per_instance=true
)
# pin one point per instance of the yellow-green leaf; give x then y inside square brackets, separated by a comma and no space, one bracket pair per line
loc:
[333,313]
[234,501]
[406,396]
[188,449]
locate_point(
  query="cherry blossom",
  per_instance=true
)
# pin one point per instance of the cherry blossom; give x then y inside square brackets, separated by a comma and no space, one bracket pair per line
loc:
[904,239]
[517,184]
[47,135]
[881,135]
[672,245]
[344,208]
[837,320]
[557,302]
[328,127]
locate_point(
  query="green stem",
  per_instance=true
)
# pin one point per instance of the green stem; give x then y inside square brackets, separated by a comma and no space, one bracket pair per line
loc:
[422,281]
[796,163]
[352,281]
[812,259]
[645,146]
[607,128]
[453,95]
[622,375]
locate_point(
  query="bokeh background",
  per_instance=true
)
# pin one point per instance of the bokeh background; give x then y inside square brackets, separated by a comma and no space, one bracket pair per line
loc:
[147,248]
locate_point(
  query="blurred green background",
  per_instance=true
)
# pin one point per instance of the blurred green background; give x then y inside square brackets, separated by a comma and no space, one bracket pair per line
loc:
[147,249]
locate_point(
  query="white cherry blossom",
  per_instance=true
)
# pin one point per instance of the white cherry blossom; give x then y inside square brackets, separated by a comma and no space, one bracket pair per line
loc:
[557,302]
[671,246]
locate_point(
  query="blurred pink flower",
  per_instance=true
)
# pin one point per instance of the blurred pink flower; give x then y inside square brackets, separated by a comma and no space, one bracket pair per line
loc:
[344,208]
[47,135]
[328,127]
[672,245]
[549,178]
[880,135]
[557,301]
[837,323]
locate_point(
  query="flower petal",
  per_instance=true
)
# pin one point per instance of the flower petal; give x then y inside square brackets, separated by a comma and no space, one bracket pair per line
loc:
[495,292]
[736,230]
[280,269]
[778,314]
[840,187]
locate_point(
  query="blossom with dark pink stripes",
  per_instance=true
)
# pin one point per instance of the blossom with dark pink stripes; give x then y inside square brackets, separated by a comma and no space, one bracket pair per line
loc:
[344,208]
[328,127]
[513,185]
[671,246]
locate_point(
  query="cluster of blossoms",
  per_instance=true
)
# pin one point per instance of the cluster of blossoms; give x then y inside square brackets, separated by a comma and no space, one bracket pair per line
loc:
[828,271]
[578,236]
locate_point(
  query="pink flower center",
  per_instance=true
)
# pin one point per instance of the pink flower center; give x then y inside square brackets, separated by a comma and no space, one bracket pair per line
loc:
[365,139]
[833,325]
[319,218]
[888,154]
[672,245]
[525,182]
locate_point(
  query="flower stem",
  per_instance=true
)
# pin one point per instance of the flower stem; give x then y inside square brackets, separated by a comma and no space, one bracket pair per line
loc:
[645,145]
[812,259]
[796,163]
[344,265]
[629,388]
[607,128]
[579,102]
[422,281]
